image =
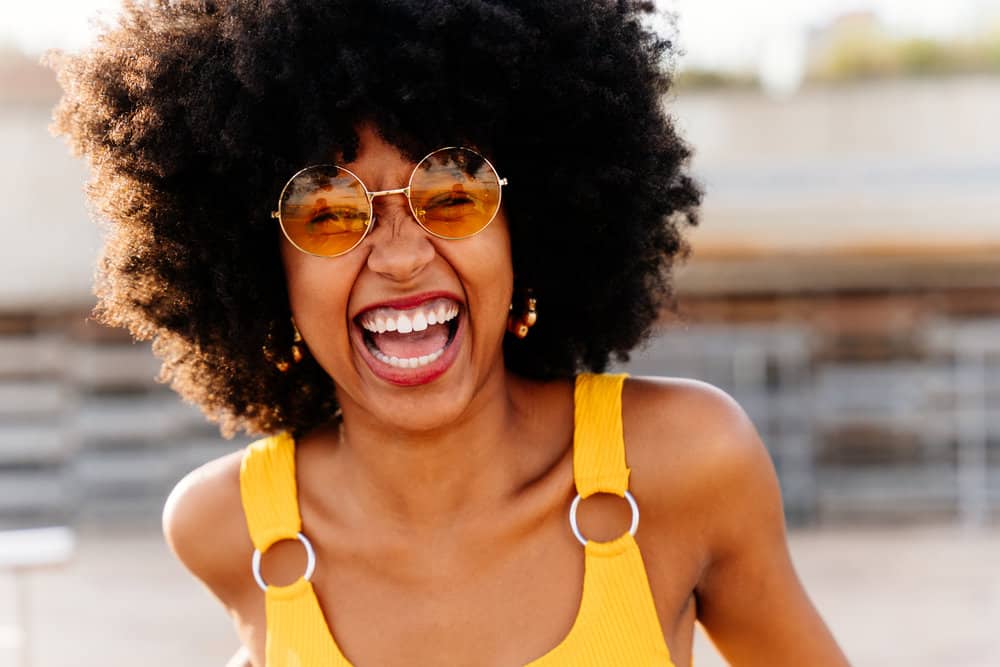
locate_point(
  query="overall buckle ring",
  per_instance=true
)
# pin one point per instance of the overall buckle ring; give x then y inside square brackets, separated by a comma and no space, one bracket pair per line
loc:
[576,528]
[310,565]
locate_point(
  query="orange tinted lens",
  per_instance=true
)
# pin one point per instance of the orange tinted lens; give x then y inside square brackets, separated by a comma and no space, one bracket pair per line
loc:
[454,193]
[324,210]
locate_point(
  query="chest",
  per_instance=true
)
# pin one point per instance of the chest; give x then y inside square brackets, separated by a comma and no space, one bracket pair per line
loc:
[473,605]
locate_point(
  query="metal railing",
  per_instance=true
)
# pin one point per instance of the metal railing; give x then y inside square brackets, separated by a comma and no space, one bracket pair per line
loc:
[85,432]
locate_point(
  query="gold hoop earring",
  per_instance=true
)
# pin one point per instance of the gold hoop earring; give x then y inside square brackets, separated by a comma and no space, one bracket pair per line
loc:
[295,351]
[519,324]
[296,339]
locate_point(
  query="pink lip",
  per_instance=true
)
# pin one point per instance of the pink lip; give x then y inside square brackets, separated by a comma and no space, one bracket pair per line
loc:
[411,301]
[410,377]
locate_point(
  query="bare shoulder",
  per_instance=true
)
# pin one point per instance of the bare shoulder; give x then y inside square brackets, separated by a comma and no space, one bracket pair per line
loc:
[699,409]
[204,526]
[697,458]
[671,422]
[693,450]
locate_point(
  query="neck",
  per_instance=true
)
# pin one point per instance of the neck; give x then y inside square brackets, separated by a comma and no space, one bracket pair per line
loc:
[433,477]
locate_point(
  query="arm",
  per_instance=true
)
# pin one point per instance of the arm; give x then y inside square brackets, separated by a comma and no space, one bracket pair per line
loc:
[750,599]
[202,525]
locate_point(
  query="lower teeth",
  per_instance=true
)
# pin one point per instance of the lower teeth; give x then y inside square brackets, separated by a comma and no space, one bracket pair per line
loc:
[413,362]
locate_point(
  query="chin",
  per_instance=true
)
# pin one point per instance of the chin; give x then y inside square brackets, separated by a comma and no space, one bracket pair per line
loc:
[431,413]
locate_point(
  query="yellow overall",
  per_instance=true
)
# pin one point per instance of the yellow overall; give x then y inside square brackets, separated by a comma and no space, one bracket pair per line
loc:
[616,623]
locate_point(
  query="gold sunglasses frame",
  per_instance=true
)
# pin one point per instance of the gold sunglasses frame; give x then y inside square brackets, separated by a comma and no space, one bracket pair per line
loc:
[501,182]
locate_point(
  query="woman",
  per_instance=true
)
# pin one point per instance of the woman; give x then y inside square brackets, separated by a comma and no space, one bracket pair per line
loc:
[306,218]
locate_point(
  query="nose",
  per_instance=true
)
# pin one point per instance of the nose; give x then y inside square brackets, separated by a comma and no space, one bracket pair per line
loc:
[400,248]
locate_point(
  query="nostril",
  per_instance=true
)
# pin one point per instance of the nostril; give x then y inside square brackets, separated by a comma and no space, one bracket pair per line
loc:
[399,248]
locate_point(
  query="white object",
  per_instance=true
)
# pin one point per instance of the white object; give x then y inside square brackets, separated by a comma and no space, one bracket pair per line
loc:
[34,547]
[310,565]
[576,529]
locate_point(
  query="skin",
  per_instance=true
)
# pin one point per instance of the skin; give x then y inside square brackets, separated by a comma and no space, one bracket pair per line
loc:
[438,512]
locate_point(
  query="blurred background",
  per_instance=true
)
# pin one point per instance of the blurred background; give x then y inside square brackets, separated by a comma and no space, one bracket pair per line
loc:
[844,287]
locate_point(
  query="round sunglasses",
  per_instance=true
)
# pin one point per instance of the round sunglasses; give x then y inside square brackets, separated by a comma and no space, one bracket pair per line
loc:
[326,210]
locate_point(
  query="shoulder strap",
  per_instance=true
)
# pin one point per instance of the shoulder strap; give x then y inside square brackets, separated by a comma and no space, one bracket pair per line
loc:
[268,491]
[598,442]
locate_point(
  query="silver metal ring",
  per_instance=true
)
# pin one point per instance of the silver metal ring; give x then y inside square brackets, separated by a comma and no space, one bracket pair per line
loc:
[576,528]
[310,565]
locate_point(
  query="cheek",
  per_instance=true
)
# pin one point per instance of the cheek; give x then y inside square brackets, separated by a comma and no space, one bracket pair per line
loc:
[502,261]
[312,280]
[318,292]
[489,269]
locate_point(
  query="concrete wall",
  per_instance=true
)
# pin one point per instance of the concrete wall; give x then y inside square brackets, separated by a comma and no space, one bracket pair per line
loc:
[49,245]
[887,178]
[907,168]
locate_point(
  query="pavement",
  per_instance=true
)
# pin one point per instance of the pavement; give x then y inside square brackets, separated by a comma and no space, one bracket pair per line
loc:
[913,596]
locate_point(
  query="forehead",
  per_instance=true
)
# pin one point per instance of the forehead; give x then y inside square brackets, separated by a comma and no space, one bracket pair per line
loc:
[380,164]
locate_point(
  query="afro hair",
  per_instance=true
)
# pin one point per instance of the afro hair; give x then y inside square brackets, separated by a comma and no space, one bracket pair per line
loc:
[194,113]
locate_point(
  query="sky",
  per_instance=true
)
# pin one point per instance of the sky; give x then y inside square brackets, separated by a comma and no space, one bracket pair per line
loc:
[732,34]
[720,34]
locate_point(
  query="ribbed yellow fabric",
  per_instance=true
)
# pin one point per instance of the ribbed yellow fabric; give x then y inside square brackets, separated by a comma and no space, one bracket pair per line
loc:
[269,493]
[598,441]
[297,631]
[616,624]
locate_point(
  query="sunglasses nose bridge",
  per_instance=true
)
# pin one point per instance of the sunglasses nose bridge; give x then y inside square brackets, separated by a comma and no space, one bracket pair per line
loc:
[405,191]
[385,193]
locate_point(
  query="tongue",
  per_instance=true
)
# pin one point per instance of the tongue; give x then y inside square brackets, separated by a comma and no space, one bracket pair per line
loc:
[411,345]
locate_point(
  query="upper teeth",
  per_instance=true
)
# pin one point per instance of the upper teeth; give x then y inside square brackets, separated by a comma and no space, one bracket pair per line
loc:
[380,320]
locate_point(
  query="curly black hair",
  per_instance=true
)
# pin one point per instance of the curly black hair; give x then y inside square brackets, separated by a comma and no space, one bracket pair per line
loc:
[194,113]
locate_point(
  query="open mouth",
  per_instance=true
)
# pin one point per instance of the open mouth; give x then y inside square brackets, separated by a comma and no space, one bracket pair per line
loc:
[411,338]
